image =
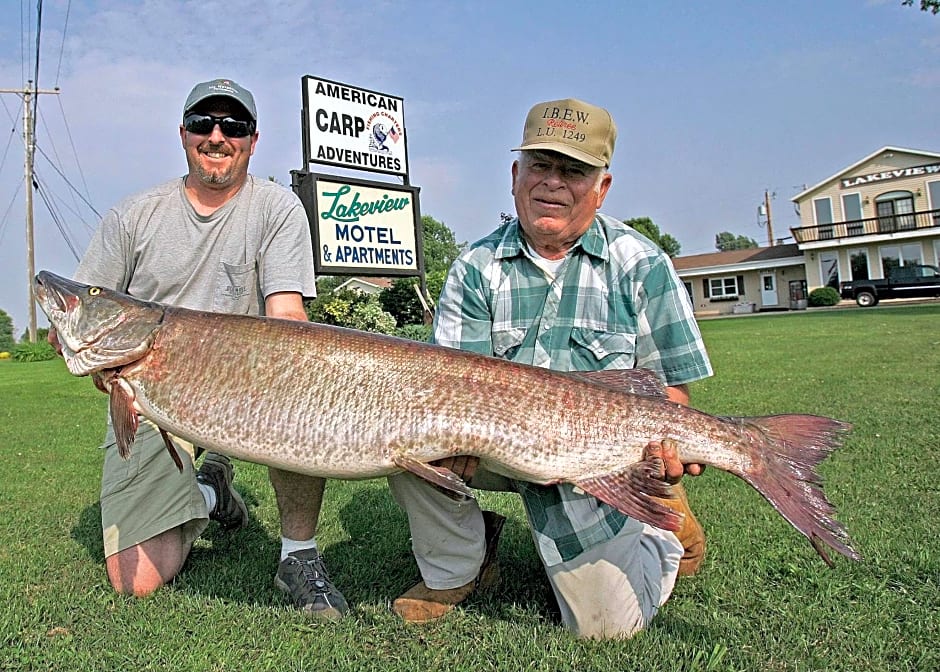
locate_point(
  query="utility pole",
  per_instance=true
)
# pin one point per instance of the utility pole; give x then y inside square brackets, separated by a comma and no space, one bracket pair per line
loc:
[765,212]
[29,129]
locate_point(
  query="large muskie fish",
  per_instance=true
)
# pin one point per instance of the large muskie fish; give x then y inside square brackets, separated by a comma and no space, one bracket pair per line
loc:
[345,404]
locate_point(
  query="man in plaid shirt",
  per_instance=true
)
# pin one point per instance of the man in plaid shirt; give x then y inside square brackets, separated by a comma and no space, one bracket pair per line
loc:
[563,287]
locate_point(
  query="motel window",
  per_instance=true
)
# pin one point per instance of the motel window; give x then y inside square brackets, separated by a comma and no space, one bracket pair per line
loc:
[822,211]
[933,193]
[893,256]
[852,214]
[718,289]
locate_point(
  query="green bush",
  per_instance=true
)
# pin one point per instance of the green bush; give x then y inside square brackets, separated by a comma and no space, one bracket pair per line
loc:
[824,296]
[39,351]
[416,332]
[6,331]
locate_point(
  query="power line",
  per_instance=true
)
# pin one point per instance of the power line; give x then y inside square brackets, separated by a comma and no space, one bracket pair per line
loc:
[3,222]
[78,164]
[56,218]
[69,184]
[65,29]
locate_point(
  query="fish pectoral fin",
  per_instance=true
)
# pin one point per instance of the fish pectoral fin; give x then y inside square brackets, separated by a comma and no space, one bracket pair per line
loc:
[631,491]
[449,482]
[123,418]
[171,449]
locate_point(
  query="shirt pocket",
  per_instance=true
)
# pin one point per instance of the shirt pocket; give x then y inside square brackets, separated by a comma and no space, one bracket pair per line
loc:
[506,342]
[592,350]
[235,288]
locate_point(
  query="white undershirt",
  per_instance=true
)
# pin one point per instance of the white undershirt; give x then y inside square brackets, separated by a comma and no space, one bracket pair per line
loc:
[550,266]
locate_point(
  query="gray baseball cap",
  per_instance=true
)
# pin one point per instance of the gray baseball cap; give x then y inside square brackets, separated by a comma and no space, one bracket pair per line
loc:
[224,88]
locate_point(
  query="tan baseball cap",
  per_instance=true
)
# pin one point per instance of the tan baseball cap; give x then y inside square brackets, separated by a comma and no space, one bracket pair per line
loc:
[572,127]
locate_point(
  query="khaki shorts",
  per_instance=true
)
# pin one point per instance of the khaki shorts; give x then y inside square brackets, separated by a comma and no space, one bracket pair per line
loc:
[146,494]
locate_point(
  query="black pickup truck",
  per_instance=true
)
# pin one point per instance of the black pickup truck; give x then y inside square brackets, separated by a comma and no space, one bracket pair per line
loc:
[911,281]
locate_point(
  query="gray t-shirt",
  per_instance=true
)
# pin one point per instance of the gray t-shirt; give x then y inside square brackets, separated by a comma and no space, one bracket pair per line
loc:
[156,247]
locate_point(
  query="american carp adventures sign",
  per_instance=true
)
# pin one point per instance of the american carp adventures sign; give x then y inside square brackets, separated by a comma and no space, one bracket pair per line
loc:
[360,226]
[354,128]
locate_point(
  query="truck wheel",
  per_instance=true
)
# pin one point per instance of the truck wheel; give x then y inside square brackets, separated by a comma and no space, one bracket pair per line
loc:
[866,299]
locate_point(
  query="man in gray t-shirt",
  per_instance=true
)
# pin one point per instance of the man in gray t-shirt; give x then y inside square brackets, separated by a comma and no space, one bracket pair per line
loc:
[217,239]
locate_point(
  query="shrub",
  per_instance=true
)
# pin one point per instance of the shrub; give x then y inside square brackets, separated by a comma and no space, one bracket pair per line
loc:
[824,296]
[40,351]
[416,332]
[6,331]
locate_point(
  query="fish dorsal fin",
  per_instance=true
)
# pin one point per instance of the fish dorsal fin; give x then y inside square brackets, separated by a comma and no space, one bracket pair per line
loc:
[632,381]
[631,491]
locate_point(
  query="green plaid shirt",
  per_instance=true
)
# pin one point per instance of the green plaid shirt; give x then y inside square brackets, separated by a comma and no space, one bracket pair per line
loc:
[615,303]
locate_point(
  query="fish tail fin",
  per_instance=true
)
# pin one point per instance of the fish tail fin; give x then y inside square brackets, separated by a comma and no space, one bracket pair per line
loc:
[784,472]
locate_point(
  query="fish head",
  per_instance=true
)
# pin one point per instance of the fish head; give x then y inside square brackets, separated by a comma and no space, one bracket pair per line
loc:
[98,328]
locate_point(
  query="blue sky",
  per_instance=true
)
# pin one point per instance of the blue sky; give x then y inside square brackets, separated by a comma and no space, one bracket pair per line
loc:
[715,102]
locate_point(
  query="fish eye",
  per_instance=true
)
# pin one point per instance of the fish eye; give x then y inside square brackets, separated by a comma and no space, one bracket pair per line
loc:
[94,291]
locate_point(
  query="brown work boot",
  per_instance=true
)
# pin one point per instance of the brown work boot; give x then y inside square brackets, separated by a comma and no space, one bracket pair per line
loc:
[690,535]
[420,604]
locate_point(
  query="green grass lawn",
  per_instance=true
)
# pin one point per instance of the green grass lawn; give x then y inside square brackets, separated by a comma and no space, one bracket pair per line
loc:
[763,600]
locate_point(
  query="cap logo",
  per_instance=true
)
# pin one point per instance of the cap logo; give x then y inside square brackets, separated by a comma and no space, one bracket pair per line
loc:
[580,130]
[223,87]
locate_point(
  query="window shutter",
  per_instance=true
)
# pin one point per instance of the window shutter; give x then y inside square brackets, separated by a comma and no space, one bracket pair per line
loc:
[706,288]
[740,285]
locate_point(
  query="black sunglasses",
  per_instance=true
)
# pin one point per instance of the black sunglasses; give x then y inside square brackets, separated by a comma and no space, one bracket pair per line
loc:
[203,124]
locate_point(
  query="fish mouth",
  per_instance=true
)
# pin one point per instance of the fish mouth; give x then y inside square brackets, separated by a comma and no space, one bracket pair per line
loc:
[53,300]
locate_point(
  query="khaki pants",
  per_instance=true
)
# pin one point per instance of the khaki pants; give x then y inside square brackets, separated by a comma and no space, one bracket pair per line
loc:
[146,494]
[612,589]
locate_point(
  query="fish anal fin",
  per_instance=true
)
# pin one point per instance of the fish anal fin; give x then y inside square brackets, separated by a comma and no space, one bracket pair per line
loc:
[631,491]
[123,417]
[171,449]
[642,382]
[449,482]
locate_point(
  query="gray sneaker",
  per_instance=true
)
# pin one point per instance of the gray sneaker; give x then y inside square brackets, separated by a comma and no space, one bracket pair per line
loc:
[302,575]
[217,472]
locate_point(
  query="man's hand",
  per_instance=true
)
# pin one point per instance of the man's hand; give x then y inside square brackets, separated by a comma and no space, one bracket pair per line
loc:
[462,465]
[673,469]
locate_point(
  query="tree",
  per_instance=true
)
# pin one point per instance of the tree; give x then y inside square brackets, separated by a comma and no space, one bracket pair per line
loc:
[440,245]
[726,241]
[932,6]
[401,302]
[440,250]
[6,332]
[664,241]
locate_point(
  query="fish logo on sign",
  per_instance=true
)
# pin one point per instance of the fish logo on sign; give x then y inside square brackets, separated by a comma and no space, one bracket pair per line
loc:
[382,128]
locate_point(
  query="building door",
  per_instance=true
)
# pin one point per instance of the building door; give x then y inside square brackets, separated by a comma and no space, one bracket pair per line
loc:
[768,289]
[829,269]
[895,212]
